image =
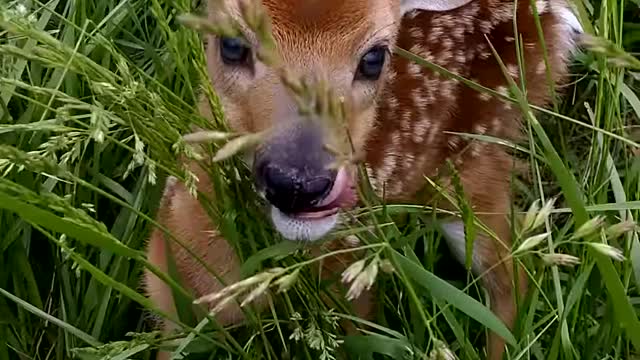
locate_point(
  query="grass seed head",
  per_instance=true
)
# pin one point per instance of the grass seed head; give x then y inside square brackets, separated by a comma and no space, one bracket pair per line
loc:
[237,145]
[543,214]
[608,250]
[285,282]
[222,304]
[621,228]
[529,218]
[531,242]
[259,290]
[386,266]
[236,288]
[223,26]
[441,352]
[588,228]
[206,136]
[560,259]
[364,280]
[353,271]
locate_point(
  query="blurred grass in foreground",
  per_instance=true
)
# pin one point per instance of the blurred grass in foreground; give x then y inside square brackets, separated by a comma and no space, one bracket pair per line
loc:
[94,98]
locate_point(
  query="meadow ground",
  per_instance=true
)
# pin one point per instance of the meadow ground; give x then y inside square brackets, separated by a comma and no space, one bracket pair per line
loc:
[94,98]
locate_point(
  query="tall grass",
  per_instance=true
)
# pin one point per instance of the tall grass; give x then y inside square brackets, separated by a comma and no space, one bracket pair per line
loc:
[95,96]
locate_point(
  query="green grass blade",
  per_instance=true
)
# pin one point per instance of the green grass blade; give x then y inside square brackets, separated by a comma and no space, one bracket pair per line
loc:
[34,310]
[571,191]
[364,346]
[446,292]
[35,215]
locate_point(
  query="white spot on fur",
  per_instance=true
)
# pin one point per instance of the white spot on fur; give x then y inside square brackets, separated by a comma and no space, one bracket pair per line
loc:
[169,185]
[373,179]
[541,6]
[495,123]
[541,68]
[458,32]
[502,13]
[447,44]
[435,34]
[486,26]
[417,34]
[391,76]
[484,96]
[513,70]
[454,142]
[389,161]
[409,159]
[419,99]
[468,13]
[447,88]
[397,188]
[406,119]
[414,69]
[420,130]
[476,148]
[433,132]
[431,84]
[481,129]
[443,20]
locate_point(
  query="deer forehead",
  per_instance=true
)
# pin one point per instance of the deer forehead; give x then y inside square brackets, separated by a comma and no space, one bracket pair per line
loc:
[334,31]
[331,21]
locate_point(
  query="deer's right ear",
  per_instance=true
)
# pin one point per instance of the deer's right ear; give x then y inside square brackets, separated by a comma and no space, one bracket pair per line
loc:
[430,5]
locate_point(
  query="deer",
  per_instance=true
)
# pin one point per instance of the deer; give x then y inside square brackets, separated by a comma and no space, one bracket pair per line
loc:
[405,120]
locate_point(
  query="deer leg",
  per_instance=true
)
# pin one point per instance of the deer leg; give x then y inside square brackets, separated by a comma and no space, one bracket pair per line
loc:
[187,221]
[491,261]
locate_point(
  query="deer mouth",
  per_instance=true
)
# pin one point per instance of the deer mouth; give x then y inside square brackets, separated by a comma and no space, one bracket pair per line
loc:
[341,196]
[317,221]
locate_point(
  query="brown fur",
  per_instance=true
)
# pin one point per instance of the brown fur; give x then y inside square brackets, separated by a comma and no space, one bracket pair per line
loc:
[400,123]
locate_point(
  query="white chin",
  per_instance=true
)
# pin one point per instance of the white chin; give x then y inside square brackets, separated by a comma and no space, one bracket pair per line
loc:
[302,229]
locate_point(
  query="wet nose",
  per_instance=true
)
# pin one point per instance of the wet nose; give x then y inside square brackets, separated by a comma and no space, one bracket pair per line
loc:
[293,190]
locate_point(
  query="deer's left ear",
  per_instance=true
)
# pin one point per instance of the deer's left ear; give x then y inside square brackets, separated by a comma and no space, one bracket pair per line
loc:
[430,5]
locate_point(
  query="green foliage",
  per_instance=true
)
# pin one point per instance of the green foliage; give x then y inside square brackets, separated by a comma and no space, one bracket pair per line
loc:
[95,97]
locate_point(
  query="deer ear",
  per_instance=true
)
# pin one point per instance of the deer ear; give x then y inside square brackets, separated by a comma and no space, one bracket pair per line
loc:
[430,5]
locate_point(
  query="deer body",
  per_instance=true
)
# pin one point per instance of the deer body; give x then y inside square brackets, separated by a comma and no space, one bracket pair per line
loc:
[401,118]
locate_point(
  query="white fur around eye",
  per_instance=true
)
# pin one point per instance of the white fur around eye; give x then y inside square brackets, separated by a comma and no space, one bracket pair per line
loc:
[430,5]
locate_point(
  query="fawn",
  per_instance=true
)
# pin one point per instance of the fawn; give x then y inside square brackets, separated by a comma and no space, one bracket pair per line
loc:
[401,120]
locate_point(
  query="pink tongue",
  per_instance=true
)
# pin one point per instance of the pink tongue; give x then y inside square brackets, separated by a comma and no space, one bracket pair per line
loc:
[339,186]
[339,194]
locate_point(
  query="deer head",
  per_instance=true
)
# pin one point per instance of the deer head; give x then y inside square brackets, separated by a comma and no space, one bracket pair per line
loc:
[346,43]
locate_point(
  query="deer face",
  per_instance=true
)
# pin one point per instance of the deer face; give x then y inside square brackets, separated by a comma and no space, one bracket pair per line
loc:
[347,44]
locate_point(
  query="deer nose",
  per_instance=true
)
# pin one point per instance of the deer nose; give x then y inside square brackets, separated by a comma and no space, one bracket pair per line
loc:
[294,190]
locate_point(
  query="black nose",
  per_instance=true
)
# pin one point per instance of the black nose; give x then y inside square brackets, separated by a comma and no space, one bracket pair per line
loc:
[293,190]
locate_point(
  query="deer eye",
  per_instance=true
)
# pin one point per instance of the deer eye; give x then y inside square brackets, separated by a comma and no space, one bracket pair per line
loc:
[234,51]
[371,64]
